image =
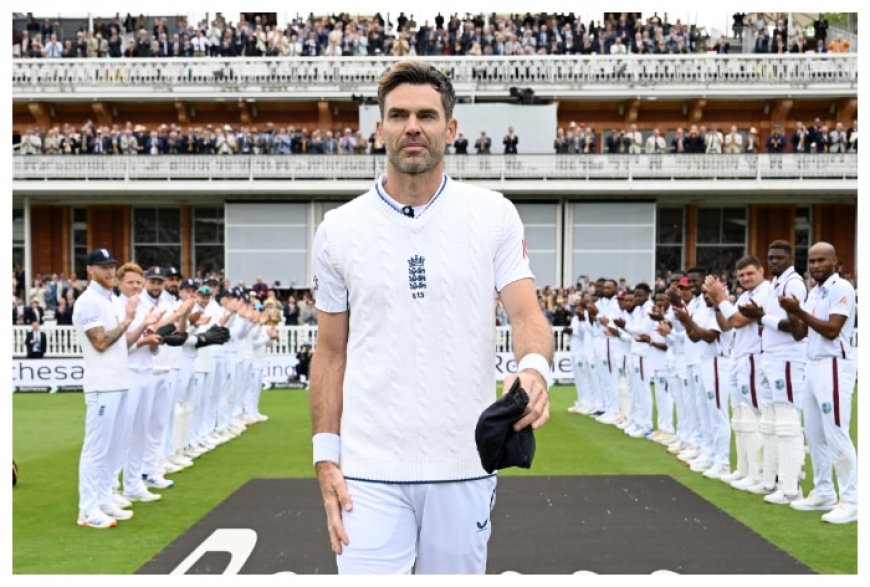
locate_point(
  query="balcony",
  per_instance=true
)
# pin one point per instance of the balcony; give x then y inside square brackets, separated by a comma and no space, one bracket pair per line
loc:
[552,77]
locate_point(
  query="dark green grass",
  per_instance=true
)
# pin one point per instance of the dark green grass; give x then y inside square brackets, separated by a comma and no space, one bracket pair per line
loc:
[47,439]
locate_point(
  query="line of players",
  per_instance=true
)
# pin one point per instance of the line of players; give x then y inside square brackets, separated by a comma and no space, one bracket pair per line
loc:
[781,354]
[183,377]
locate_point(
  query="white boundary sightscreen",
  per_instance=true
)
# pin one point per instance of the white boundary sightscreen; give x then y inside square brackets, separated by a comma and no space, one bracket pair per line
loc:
[268,239]
[614,240]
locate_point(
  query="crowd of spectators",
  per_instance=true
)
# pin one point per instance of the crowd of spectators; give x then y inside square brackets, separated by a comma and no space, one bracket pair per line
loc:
[783,38]
[346,35]
[270,139]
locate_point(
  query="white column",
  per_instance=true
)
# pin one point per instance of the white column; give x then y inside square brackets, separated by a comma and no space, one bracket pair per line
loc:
[28,266]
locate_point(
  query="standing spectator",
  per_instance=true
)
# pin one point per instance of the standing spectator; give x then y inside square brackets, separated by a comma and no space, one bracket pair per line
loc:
[308,314]
[733,141]
[560,144]
[510,141]
[64,313]
[21,314]
[837,139]
[852,137]
[35,341]
[800,140]
[291,312]
[678,144]
[483,144]
[820,26]
[460,145]
[655,143]
[839,45]
[37,313]
[53,48]
[752,141]
[714,140]
[762,41]
[776,141]
[614,143]
[260,287]
[635,140]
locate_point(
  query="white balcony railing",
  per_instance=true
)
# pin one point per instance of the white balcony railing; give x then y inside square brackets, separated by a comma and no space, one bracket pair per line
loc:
[549,76]
[63,342]
[253,168]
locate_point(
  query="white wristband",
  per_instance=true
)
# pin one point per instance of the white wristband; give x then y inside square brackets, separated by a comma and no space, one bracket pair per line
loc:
[327,447]
[538,363]
[727,309]
[769,321]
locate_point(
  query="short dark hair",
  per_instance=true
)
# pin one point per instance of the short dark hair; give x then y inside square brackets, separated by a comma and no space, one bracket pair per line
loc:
[643,286]
[416,73]
[746,261]
[780,244]
[696,269]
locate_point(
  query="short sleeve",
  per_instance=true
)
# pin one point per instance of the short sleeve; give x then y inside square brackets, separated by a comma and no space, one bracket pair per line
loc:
[795,288]
[330,289]
[87,314]
[512,256]
[842,299]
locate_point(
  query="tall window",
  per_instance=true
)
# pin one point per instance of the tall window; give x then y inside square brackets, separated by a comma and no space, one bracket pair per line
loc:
[803,234]
[208,240]
[721,238]
[157,237]
[18,238]
[80,241]
[669,239]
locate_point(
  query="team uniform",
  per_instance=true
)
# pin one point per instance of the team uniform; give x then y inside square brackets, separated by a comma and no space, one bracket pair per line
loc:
[639,372]
[686,428]
[830,382]
[783,365]
[105,383]
[607,370]
[581,341]
[657,360]
[412,391]
[700,441]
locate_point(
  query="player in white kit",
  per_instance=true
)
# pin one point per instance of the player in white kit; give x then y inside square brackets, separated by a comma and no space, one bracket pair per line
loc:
[829,319]
[106,384]
[395,393]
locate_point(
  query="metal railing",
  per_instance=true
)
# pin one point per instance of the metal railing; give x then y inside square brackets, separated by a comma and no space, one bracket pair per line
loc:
[283,77]
[63,342]
[253,168]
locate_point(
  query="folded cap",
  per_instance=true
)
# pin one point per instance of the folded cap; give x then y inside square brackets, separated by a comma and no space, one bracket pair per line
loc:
[101,257]
[683,282]
[497,443]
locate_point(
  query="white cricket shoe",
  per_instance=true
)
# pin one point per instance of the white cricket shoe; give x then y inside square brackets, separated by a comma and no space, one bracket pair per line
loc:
[780,497]
[169,467]
[688,454]
[676,447]
[181,460]
[732,476]
[575,409]
[700,465]
[261,417]
[157,482]
[116,513]
[814,502]
[121,501]
[743,484]
[143,495]
[761,489]
[843,513]
[715,472]
[97,520]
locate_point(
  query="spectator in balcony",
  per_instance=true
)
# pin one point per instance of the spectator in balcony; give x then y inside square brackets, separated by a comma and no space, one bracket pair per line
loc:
[614,143]
[838,139]
[31,142]
[779,45]
[53,48]
[800,140]
[799,45]
[560,144]
[113,47]
[822,143]
[143,44]
[678,144]
[127,144]
[634,139]
[713,140]
[200,44]
[282,142]
[737,27]
[820,26]
[733,141]
[483,144]
[839,45]
[852,137]
[586,140]
[695,142]
[722,46]
[347,142]
[618,47]
[776,141]
[361,144]
[69,50]
[510,141]
[308,314]
[52,142]
[153,145]
[655,143]
[329,146]
[460,145]
[291,312]
[762,41]
[264,139]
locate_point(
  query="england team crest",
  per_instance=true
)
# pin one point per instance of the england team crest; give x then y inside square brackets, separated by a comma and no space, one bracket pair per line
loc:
[417,276]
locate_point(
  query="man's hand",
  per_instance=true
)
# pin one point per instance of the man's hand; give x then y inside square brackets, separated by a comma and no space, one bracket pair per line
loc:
[620,323]
[643,338]
[538,410]
[664,328]
[152,316]
[151,339]
[715,289]
[593,310]
[790,304]
[333,488]
[130,310]
[681,314]
[656,315]
[751,310]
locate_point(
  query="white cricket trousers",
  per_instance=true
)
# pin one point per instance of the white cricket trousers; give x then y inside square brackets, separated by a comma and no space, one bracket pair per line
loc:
[102,447]
[827,415]
[716,403]
[424,528]
[162,407]
[140,402]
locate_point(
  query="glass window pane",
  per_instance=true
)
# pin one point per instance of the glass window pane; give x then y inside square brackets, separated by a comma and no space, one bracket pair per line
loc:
[144,225]
[149,255]
[80,214]
[208,225]
[80,238]
[208,258]
[169,226]
[709,225]
[669,227]
[733,225]
[669,258]
[718,259]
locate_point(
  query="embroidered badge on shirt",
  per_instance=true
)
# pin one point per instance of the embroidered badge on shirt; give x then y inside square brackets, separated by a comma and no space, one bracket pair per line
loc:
[417,276]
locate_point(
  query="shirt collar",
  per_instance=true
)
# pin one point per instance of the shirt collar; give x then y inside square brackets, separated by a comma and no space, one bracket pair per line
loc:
[106,293]
[830,280]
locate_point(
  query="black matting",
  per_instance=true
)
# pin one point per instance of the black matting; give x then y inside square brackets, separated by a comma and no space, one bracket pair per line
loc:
[541,525]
